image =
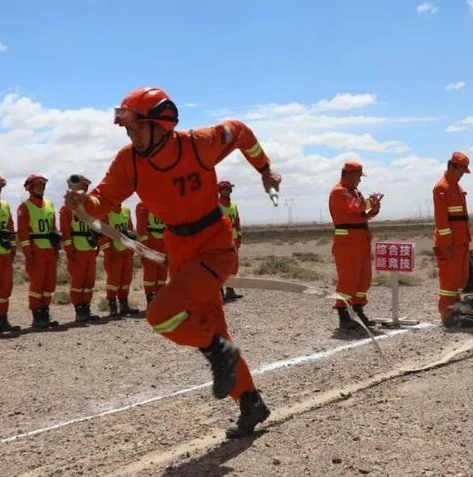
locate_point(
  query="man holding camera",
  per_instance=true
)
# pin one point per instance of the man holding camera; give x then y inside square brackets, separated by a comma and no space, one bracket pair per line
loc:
[351,248]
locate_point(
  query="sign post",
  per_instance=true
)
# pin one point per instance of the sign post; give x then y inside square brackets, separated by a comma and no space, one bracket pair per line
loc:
[394,257]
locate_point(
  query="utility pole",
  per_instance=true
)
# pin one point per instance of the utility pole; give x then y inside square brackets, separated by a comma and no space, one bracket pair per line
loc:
[289,204]
[428,207]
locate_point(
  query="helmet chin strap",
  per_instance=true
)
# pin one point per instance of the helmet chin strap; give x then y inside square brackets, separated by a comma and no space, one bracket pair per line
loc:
[153,147]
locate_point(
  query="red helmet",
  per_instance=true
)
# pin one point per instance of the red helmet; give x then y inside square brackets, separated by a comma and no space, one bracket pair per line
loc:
[147,104]
[3,181]
[225,185]
[33,179]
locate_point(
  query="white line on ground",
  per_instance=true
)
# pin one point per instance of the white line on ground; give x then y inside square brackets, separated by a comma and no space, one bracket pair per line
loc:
[266,368]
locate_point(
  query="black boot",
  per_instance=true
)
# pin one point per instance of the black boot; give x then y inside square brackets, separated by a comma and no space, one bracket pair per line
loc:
[113,307]
[345,322]
[230,295]
[47,317]
[125,309]
[42,319]
[358,309]
[81,314]
[90,316]
[253,410]
[7,327]
[150,297]
[223,356]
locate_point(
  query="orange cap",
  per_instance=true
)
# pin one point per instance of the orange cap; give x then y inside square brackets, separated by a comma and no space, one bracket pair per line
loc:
[353,167]
[460,160]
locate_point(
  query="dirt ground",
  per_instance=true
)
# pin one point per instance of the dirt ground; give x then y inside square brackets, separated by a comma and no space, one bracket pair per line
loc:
[114,399]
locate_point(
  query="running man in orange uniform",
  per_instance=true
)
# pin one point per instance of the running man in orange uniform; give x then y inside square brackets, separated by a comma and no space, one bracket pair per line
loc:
[7,255]
[118,263]
[451,237]
[40,243]
[150,232]
[80,244]
[173,173]
[230,209]
[351,248]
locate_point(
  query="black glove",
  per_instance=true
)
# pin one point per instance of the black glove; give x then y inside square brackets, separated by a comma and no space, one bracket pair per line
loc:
[55,239]
[130,234]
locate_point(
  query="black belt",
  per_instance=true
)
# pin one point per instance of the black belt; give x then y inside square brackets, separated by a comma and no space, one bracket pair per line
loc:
[159,230]
[458,218]
[186,230]
[352,226]
[80,234]
[39,236]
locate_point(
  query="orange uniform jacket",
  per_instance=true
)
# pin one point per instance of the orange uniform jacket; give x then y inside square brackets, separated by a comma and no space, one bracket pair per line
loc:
[179,183]
[348,206]
[451,214]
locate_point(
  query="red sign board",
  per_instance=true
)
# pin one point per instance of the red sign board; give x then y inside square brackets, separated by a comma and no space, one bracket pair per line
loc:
[394,256]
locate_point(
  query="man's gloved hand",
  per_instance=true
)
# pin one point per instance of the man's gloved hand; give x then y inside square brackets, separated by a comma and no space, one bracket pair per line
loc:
[444,252]
[131,234]
[270,179]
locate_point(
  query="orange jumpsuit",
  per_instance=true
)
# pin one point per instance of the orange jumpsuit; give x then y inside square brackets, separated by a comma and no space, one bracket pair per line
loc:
[150,232]
[351,243]
[81,260]
[178,185]
[118,264]
[7,255]
[451,230]
[40,261]
[236,227]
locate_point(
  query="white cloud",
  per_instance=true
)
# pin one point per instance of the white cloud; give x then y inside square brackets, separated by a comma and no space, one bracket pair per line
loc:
[344,141]
[427,8]
[3,47]
[345,101]
[470,5]
[57,143]
[461,125]
[458,85]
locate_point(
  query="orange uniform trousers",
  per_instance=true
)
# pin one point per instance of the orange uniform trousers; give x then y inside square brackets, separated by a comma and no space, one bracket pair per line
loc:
[352,254]
[41,268]
[6,281]
[453,276]
[154,274]
[118,267]
[82,269]
[195,281]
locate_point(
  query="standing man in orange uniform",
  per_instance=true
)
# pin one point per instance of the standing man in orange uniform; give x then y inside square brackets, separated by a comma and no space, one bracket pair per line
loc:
[40,243]
[351,248]
[173,173]
[452,238]
[230,209]
[150,232]
[118,263]
[7,255]
[80,244]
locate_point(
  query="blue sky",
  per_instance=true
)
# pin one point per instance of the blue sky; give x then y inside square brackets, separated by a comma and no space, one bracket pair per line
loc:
[386,83]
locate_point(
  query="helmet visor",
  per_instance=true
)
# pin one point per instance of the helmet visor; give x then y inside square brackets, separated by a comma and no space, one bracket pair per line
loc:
[126,116]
